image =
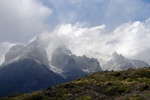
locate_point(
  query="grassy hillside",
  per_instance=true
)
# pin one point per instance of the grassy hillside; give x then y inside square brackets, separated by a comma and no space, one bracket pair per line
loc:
[131,84]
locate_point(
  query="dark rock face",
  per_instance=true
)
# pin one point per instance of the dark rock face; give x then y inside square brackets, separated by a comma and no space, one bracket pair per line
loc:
[90,65]
[72,66]
[25,76]
[60,57]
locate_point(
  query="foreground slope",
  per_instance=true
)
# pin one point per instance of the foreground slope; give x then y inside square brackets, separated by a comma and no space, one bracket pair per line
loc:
[131,84]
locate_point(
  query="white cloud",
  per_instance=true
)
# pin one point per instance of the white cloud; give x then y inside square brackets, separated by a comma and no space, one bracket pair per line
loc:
[23,19]
[130,39]
[20,20]
[134,39]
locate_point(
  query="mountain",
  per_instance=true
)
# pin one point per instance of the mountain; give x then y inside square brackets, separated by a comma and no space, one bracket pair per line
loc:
[33,50]
[26,75]
[71,66]
[131,84]
[119,62]
[27,68]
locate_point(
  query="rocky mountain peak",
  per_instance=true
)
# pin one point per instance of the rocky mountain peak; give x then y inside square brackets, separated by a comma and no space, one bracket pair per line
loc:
[16,47]
[63,49]
[33,50]
[117,56]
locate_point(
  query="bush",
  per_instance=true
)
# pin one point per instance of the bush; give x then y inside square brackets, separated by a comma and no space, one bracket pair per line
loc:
[115,90]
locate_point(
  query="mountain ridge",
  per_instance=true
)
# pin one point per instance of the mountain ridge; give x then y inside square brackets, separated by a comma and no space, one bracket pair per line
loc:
[64,65]
[31,61]
[119,62]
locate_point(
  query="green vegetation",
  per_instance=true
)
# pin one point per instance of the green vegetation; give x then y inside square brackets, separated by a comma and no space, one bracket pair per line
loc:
[131,84]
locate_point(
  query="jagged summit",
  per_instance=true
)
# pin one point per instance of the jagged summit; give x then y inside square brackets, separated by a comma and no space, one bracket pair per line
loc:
[63,49]
[16,47]
[117,56]
[33,50]
[119,62]
[70,66]
[14,52]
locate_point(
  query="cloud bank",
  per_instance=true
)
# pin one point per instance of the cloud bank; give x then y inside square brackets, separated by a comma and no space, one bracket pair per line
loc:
[112,25]
[20,20]
[130,39]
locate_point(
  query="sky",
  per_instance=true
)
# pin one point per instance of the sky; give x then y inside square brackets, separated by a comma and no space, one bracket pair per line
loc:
[100,26]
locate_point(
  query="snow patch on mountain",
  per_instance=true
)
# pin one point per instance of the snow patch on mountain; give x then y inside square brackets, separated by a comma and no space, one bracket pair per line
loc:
[55,69]
[86,70]
[119,62]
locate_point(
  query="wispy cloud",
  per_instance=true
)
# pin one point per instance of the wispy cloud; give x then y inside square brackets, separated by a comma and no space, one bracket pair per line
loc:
[130,39]
[109,25]
[20,20]
[26,18]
